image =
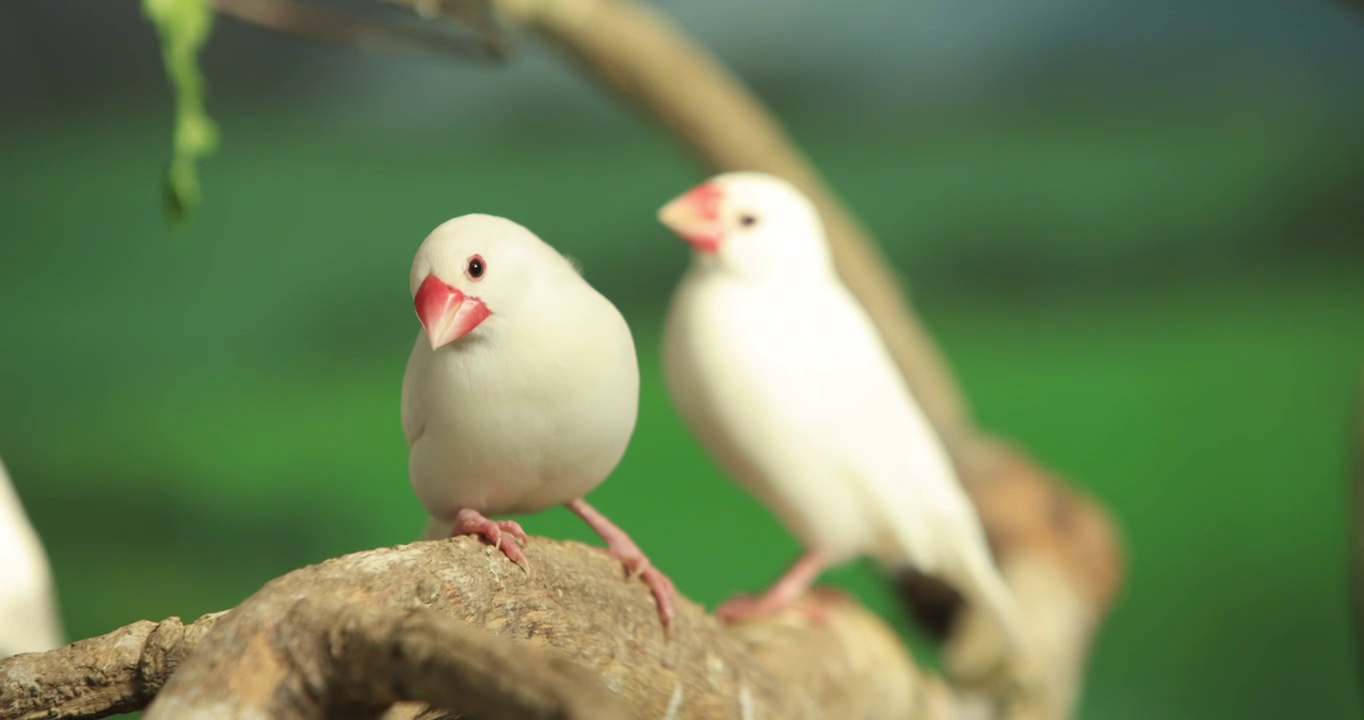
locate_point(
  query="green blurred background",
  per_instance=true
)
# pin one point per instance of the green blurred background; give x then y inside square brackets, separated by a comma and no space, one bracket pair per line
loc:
[1136,228]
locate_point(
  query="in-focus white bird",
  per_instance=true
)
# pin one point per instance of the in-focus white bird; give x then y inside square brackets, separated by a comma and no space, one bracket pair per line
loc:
[779,371]
[521,392]
[28,608]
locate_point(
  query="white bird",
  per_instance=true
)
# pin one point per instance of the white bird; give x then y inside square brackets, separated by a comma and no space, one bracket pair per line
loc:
[781,374]
[521,392]
[28,608]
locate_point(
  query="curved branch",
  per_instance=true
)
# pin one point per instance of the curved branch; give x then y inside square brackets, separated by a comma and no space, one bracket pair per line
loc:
[357,661]
[115,673]
[451,623]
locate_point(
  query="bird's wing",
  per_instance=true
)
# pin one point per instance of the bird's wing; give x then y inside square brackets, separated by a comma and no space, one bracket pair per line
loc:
[862,409]
[905,471]
[792,391]
[414,420]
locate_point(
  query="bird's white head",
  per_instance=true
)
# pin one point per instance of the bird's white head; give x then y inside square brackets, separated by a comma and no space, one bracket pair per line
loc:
[750,224]
[474,268]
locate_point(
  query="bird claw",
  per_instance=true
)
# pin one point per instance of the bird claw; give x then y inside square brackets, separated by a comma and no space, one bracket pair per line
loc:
[620,547]
[470,522]
[638,567]
[664,592]
[742,608]
[635,566]
[513,527]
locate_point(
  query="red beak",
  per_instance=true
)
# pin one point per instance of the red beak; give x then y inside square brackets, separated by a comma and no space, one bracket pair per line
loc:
[696,217]
[446,313]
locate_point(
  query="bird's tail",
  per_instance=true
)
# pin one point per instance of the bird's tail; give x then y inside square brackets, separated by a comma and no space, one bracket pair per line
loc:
[980,655]
[957,593]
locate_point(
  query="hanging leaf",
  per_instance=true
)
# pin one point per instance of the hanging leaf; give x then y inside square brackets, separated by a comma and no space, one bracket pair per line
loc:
[184,26]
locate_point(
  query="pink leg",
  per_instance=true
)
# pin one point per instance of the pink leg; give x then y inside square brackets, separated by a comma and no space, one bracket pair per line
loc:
[470,522]
[782,595]
[621,547]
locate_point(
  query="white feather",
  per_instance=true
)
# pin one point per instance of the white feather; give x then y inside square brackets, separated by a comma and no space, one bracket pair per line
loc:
[782,375]
[28,611]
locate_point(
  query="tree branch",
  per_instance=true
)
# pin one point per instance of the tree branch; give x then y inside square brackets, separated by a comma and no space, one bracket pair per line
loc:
[350,660]
[115,673]
[313,22]
[421,622]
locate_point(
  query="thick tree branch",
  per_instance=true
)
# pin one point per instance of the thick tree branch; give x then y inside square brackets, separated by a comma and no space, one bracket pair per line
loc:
[421,622]
[115,673]
[348,660]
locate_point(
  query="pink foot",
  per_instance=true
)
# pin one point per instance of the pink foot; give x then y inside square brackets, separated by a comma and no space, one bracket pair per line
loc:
[470,522]
[785,594]
[747,608]
[621,547]
[827,595]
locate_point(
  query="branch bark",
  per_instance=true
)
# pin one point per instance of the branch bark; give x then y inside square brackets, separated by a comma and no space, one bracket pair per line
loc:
[452,624]
[115,673]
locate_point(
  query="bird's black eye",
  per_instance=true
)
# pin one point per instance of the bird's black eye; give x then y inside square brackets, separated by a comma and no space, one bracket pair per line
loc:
[476,267]
[748,220]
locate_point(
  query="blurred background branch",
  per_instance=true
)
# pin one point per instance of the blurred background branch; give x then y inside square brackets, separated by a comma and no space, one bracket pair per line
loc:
[313,21]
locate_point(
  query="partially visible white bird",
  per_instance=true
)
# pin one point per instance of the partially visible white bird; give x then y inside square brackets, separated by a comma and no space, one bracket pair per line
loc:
[28,608]
[779,371]
[521,392]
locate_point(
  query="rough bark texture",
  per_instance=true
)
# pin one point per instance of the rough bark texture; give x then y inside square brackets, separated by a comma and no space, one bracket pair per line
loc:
[454,624]
[106,675]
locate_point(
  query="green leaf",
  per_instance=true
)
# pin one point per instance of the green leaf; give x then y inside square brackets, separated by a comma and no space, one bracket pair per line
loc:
[184,27]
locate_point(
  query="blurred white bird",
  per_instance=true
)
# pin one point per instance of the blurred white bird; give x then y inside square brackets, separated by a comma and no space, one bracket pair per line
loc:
[28,609]
[521,392]
[781,374]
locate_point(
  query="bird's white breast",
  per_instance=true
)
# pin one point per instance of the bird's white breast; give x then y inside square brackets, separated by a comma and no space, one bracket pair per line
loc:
[750,371]
[508,421]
